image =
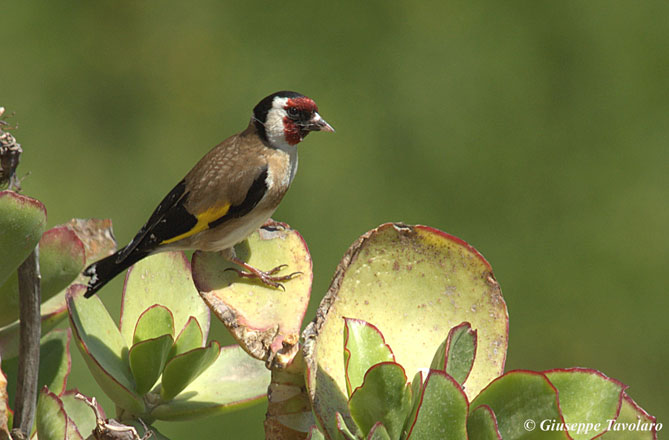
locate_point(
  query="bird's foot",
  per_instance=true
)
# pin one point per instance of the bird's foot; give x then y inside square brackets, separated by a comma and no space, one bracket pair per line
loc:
[266,278]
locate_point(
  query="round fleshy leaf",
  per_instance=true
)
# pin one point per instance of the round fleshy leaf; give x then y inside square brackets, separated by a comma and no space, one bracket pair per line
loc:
[103,348]
[235,380]
[435,281]
[61,259]
[185,368]
[519,396]
[588,399]
[164,279]
[442,411]
[78,412]
[147,359]
[633,423]
[155,321]
[383,397]
[53,312]
[264,320]
[364,347]
[22,222]
[482,424]
[191,337]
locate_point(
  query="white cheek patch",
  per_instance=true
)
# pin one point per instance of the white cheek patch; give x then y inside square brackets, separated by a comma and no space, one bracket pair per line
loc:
[274,123]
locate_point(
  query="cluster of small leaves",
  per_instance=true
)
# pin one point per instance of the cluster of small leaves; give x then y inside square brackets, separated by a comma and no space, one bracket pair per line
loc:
[157,364]
[382,404]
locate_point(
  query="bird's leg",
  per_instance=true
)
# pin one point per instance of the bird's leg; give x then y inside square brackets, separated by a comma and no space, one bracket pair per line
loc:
[266,278]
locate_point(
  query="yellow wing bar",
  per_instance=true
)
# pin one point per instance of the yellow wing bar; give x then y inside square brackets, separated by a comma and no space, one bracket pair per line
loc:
[203,220]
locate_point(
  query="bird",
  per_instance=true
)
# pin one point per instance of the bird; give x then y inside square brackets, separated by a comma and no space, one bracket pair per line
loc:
[232,191]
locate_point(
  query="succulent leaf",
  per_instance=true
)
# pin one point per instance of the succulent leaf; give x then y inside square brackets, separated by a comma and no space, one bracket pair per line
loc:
[588,399]
[518,396]
[54,366]
[364,347]
[191,337]
[184,368]
[79,413]
[53,311]
[442,411]
[264,320]
[378,432]
[482,424]
[383,397]
[163,279]
[235,380]
[456,354]
[103,348]
[631,416]
[22,222]
[147,359]
[155,321]
[434,281]
[61,259]
[51,420]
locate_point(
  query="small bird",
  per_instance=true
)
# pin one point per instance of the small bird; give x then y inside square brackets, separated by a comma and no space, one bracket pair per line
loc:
[231,192]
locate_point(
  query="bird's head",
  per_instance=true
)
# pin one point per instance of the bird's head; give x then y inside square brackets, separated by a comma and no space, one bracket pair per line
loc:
[286,118]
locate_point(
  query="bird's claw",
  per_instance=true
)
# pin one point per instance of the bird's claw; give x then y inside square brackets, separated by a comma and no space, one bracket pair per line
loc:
[267,278]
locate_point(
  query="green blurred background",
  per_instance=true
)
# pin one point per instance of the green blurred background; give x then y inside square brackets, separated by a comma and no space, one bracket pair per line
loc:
[536,131]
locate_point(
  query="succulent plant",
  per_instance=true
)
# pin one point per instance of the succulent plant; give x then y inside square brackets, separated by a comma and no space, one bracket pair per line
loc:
[157,364]
[446,327]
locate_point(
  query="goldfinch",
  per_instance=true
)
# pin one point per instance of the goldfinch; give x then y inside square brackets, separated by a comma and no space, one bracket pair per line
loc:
[229,193]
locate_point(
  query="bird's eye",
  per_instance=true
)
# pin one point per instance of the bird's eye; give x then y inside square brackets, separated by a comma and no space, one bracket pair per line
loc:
[293,111]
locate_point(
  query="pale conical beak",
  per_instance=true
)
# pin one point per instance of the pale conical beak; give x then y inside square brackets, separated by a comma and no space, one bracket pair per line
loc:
[317,123]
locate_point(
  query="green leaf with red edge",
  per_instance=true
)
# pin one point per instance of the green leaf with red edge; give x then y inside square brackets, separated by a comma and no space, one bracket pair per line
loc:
[163,279]
[53,311]
[54,366]
[383,397]
[61,259]
[264,320]
[155,321]
[456,354]
[103,348]
[378,432]
[51,420]
[482,424]
[588,399]
[364,347]
[79,412]
[442,411]
[147,359]
[235,380]
[22,222]
[518,396]
[185,368]
[436,281]
[633,423]
[191,337]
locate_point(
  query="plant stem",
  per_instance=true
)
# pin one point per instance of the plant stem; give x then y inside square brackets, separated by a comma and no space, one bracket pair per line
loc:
[29,315]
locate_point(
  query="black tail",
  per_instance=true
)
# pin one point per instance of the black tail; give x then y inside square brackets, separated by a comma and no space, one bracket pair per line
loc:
[103,271]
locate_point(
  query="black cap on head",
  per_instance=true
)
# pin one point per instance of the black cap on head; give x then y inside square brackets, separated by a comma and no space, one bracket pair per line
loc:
[262,108]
